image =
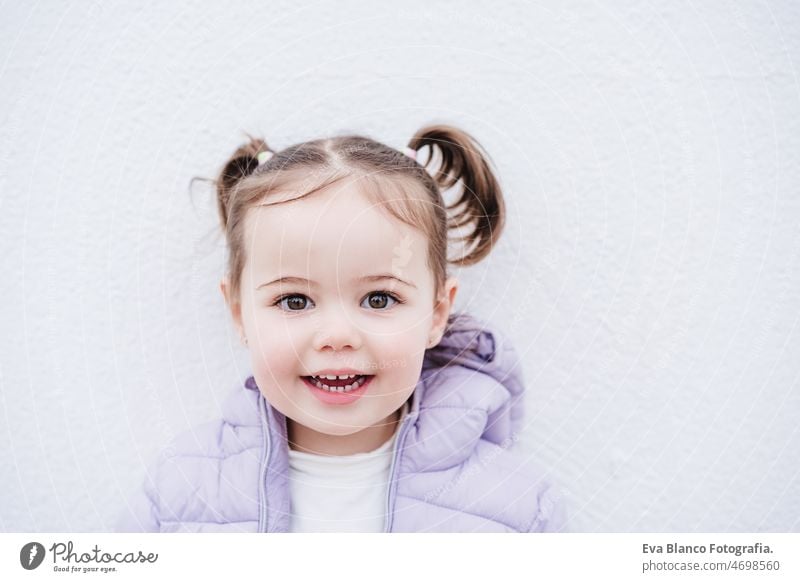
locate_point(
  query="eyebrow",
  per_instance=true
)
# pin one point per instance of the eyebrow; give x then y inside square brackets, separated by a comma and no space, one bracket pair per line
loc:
[384,277]
[364,279]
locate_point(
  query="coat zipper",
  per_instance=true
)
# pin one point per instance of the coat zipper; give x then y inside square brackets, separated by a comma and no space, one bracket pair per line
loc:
[401,437]
[265,447]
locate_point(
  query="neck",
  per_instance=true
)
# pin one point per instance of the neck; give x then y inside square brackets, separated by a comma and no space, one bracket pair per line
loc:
[306,440]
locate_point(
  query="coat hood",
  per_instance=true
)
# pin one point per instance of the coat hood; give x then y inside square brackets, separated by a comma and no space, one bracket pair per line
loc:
[471,388]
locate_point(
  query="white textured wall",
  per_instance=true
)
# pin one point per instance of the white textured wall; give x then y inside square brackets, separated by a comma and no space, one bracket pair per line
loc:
[650,271]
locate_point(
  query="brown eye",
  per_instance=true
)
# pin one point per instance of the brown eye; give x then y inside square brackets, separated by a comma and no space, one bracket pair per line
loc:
[293,302]
[380,300]
[377,301]
[296,303]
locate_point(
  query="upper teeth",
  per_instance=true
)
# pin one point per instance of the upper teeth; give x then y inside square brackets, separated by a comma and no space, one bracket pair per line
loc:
[351,384]
[337,377]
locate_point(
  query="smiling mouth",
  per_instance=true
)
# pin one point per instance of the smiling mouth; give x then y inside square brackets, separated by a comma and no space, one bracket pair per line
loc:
[339,383]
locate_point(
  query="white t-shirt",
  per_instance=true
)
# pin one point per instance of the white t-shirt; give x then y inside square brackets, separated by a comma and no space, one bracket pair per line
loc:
[341,493]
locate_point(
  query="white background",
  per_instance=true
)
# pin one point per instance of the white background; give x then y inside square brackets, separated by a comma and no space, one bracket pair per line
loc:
[649,273]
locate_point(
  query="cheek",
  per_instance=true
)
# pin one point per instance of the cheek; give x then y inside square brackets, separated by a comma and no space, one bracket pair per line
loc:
[277,346]
[275,363]
[398,354]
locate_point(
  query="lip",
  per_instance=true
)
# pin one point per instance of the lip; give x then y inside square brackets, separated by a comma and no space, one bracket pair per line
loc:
[338,397]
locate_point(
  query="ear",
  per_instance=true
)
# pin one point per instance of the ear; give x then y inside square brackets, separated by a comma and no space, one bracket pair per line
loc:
[442,309]
[234,306]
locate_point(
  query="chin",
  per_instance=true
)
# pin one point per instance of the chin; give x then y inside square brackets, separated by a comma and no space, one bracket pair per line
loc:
[339,431]
[333,429]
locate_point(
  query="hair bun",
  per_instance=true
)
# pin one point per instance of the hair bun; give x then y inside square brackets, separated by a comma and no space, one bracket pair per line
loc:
[464,162]
[241,164]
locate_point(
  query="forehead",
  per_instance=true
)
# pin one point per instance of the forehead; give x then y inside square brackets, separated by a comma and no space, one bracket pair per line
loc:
[333,232]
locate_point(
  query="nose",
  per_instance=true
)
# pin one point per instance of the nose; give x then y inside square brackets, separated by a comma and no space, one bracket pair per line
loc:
[337,331]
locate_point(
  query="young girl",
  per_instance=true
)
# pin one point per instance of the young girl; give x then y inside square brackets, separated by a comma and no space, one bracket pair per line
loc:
[371,407]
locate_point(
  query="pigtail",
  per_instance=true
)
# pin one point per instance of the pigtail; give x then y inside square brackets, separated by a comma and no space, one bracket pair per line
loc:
[241,164]
[481,200]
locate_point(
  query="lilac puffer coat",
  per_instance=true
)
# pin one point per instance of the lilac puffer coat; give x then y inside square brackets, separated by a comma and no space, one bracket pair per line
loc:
[454,467]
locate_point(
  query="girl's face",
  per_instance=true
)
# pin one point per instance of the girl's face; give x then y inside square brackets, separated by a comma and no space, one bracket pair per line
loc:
[333,285]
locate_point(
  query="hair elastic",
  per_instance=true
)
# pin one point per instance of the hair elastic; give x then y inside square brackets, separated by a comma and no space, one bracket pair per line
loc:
[411,153]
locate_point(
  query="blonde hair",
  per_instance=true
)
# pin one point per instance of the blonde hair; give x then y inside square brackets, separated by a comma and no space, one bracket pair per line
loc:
[399,184]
